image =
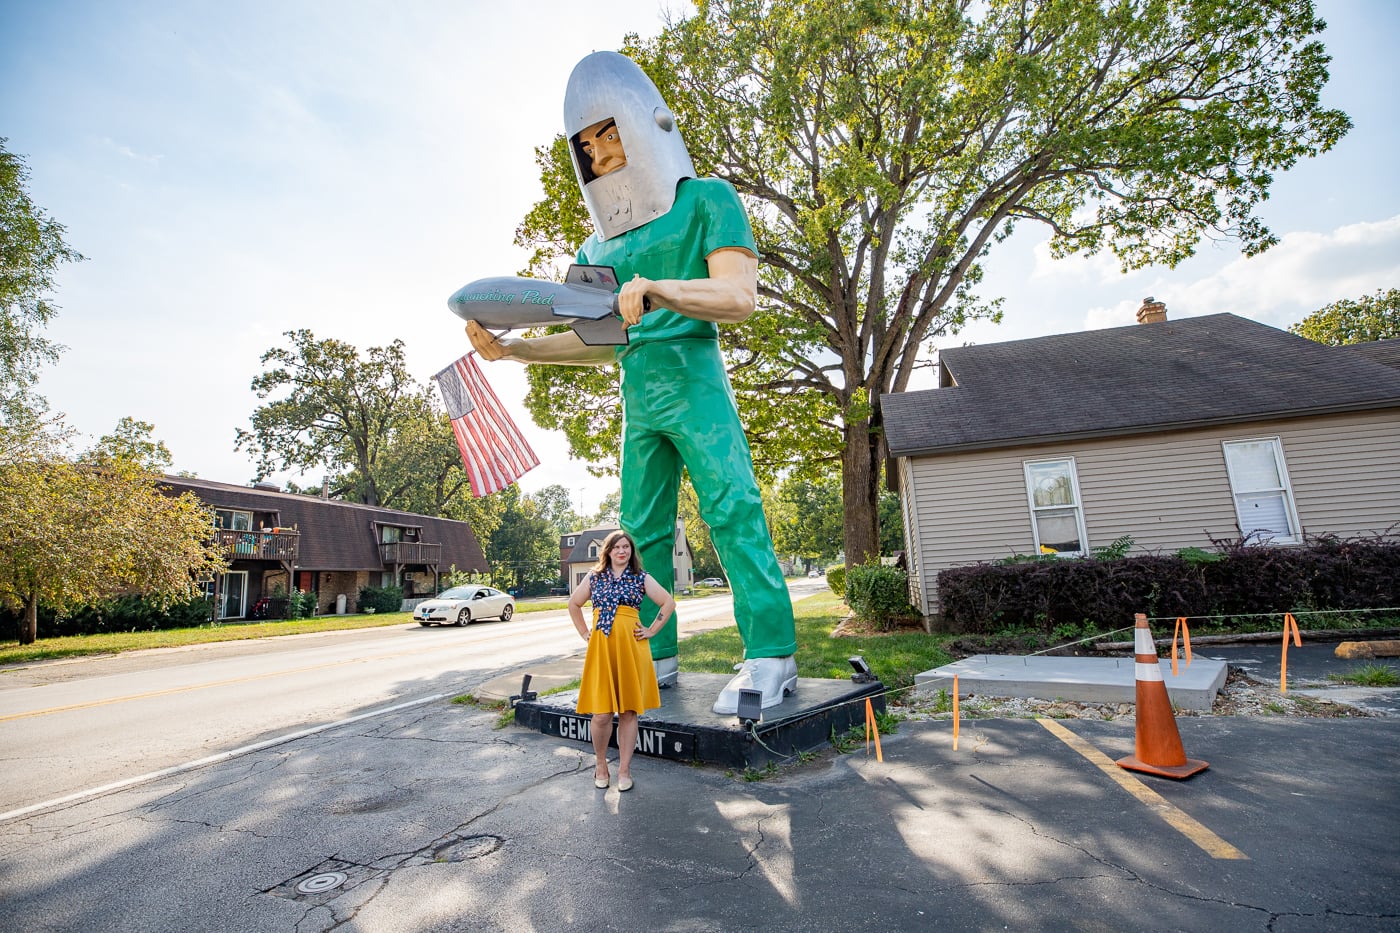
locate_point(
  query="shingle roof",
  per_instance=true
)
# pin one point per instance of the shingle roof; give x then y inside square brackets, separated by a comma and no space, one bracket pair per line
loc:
[582,539]
[1143,377]
[1378,351]
[338,535]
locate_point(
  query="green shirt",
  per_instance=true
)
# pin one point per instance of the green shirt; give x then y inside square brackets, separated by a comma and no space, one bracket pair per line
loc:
[706,216]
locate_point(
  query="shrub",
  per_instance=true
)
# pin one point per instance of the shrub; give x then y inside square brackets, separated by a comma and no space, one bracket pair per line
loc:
[118,614]
[878,594]
[381,598]
[1236,580]
[301,605]
[836,579]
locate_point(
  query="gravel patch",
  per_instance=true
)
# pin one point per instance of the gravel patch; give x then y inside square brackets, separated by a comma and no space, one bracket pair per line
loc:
[1241,696]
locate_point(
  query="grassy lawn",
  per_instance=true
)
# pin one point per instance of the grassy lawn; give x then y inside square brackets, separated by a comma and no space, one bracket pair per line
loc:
[894,658]
[71,646]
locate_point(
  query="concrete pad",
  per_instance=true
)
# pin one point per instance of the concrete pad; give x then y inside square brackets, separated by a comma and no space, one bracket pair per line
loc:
[543,676]
[1084,680]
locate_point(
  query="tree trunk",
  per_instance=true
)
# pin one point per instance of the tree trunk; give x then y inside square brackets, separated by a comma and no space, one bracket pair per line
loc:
[860,494]
[29,626]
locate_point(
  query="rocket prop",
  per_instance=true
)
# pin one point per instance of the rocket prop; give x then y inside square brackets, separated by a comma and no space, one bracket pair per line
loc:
[586,301]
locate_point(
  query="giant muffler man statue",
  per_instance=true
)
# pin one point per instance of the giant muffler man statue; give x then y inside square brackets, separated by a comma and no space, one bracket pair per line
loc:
[684,250]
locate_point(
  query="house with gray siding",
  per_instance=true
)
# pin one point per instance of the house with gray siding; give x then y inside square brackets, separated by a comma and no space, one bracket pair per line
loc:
[1174,433]
[579,550]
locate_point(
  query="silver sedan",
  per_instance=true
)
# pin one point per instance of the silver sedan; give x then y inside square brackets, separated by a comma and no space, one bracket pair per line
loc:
[464,604]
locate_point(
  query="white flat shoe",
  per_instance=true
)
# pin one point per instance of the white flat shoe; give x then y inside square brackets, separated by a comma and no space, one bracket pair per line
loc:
[601,782]
[775,678]
[624,784]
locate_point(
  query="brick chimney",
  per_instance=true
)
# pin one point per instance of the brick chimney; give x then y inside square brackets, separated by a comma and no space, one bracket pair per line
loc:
[1152,311]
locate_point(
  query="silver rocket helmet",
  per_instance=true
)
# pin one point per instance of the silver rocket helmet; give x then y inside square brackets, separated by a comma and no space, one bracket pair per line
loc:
[604,87]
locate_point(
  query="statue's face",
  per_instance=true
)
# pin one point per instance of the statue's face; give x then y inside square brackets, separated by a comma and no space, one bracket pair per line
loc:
[603,146]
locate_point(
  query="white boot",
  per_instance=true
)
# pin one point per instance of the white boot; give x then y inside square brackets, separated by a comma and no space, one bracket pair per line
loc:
[775,678]
[666,671]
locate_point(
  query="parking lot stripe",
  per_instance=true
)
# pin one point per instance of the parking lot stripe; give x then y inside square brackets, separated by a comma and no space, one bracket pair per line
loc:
[1181,822]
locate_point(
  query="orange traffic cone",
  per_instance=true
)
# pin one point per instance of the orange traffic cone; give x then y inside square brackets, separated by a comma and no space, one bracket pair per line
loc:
[1158,749]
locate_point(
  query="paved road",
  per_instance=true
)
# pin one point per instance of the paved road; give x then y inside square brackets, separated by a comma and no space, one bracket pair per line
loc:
[434,819]
[67,727]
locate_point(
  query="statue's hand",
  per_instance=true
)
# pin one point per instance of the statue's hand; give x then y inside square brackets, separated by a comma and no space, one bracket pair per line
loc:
[631,301]
[487,344]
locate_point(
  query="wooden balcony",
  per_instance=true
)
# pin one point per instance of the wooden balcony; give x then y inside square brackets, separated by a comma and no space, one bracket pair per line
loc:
[259,545]
[410,552]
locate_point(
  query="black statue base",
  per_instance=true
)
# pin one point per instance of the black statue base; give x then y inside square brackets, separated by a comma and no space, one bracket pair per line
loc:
[686,729]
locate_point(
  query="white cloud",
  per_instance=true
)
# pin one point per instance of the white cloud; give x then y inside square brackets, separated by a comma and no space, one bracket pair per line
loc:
[1281,286]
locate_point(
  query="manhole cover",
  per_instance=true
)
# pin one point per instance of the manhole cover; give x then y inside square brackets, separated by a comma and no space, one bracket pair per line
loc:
[319,884]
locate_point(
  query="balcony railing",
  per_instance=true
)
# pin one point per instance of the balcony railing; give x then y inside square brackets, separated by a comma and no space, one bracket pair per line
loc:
[259,545]
[410,552]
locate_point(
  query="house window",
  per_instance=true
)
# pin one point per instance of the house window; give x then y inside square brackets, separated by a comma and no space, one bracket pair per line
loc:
[1052,488]
[1259,483]
[389,534]
[231,520]
[569,541]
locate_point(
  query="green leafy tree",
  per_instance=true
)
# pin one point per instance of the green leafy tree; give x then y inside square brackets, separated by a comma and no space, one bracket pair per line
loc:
[31,250]
[75,532]
[810,523]
[556,506]
[524,548]
[883,149]
[1371,317]
[362,419]
[135,442]
[608,510]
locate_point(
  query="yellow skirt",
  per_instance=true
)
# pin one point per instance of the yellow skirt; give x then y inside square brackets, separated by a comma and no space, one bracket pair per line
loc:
[618,676]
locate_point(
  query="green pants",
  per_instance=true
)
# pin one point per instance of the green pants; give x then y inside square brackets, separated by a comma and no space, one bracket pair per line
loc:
[678,411]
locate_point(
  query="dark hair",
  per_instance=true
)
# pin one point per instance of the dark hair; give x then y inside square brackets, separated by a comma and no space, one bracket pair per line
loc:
[634,565]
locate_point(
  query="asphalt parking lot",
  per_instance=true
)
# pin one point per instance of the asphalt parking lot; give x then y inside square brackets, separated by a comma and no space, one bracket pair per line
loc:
[433,818]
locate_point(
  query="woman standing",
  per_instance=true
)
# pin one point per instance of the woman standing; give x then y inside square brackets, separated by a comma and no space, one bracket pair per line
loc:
[618,676]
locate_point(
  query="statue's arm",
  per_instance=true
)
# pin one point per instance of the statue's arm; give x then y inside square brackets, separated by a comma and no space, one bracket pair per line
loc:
[728,296]
[559,349]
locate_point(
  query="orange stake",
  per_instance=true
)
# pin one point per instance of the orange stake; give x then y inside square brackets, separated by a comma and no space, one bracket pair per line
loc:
[1290,626]
[1184,631]
[955,712]
[871,726]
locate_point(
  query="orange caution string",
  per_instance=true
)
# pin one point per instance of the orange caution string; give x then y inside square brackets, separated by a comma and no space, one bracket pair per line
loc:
[955,712]
[1290,627]
[872,727]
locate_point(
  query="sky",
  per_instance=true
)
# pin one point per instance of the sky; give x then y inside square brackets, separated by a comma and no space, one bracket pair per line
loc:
[234,170]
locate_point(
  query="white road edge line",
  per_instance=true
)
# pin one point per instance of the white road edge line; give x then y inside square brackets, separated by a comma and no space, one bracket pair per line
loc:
[212,759]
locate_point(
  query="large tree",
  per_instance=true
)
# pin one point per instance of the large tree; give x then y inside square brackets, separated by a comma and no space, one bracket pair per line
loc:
[524,548]
[1370,317]
[376,432]
[883,148]
[31,250]
[74,532]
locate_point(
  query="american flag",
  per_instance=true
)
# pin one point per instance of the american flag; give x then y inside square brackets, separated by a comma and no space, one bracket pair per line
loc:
[494,452]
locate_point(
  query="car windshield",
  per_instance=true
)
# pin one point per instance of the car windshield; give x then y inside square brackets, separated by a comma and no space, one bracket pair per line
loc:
[459,592]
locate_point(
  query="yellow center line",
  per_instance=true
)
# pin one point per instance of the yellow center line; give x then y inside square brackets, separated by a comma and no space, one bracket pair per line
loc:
[234,680]
[1213,845]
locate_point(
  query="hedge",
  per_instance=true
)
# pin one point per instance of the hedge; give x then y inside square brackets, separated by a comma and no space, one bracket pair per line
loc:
[119,614]
[1236,580]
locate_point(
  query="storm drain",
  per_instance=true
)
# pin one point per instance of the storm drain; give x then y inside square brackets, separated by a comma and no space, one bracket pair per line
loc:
[325,882]
[334,877]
